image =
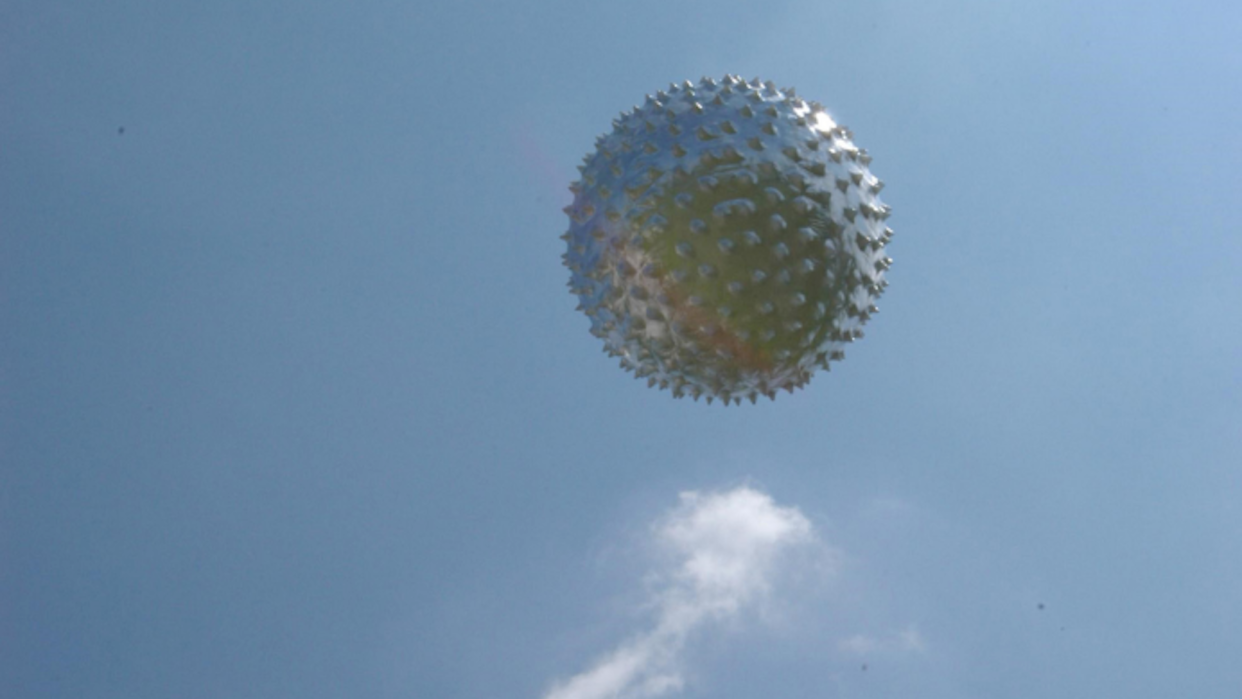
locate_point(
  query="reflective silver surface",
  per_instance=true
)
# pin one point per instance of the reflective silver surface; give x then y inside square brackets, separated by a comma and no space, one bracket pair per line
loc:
[727,239]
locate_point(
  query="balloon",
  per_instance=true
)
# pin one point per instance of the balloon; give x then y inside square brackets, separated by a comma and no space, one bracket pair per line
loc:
[726,239]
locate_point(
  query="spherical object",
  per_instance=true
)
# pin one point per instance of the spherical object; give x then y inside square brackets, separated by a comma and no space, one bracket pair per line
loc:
[727,239]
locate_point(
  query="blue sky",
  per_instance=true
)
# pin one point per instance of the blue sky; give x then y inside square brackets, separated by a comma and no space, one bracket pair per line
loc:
[294,403]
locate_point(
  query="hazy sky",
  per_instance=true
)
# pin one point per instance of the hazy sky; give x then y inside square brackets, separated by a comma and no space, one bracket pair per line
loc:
[294,403]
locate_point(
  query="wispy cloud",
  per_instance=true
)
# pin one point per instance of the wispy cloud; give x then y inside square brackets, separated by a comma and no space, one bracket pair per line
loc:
[725,552]
[906,640]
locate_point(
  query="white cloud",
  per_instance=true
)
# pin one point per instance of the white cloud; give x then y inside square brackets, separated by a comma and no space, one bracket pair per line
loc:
[724,552]
[859,644]
[907,640]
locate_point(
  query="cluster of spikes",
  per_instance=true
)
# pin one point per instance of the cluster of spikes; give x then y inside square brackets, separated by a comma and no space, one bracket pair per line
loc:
[727,240]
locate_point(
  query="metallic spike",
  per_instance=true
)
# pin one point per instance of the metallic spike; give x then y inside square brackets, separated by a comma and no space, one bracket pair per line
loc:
[698,226]
[733,207]
[758,275]
[804,205]
[684,249]
[707,270]
[780,250]
[752,238]
[745,176]
[726,245]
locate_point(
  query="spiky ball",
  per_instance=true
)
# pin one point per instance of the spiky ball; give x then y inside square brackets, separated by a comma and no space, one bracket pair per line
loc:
[727,239]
